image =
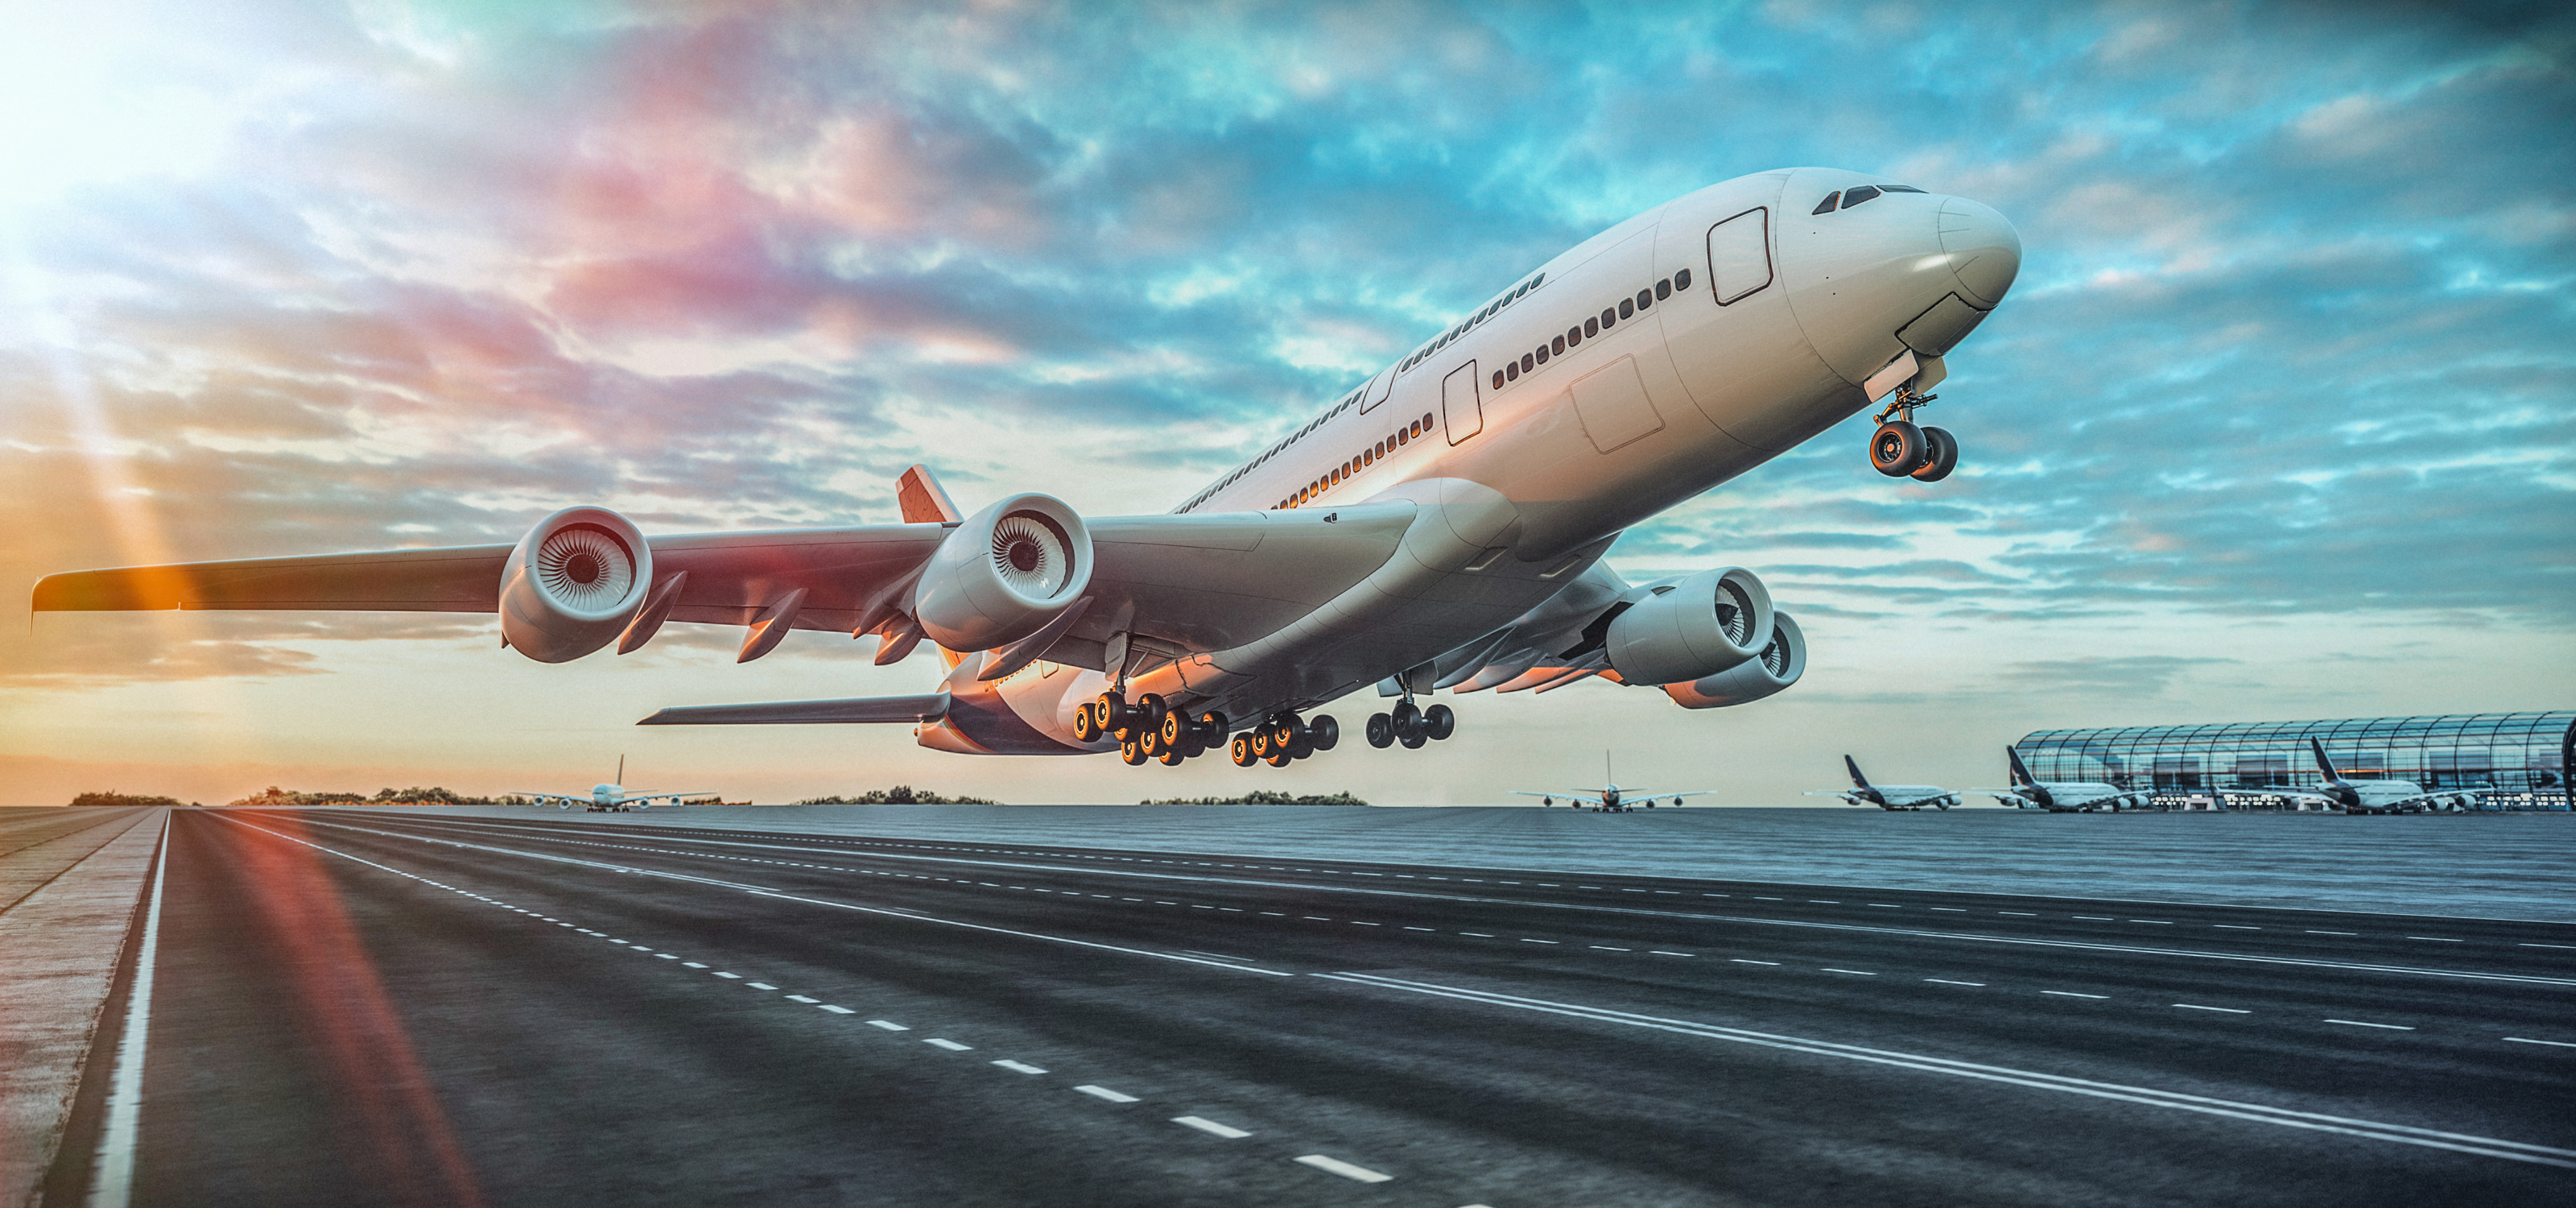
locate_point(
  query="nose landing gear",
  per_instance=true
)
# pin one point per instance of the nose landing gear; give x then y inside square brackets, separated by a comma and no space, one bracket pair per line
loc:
[1900,450]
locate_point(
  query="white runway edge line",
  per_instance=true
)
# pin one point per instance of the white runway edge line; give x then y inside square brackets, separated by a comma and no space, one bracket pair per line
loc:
[2373,1130]
[113,1184]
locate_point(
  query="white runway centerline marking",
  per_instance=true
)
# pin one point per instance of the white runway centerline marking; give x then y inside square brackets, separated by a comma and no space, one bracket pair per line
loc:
[1211,1127]
[2555,1044]
[950,1045]
[2235,927]
[1861,972]
[735,976]
[836,1010]
[1102,1092]
[888,1025]
[2193,1006]
[2356,1023]
[801,998]
[1947,982]
[760,985]
[1346,1170]
[2073,994]
[2342,933]
[1019,1066]
[1741,961]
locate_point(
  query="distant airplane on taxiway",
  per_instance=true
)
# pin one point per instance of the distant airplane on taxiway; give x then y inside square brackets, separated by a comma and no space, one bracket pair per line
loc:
[611,798]
[1891,796]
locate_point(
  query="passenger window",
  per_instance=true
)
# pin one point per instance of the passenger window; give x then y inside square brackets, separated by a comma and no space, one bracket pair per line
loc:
[1498,379]
[1557,345]
[1681,280]
[1574,335]
[1525,362]
[1627,310]
[1645,298]
[1512,370]
[1542,354]
[1402,436]
[1859,195]
[1663,289]
[1827,205]
[1592,327]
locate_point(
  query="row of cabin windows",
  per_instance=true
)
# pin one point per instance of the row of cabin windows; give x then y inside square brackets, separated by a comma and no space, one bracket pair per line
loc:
[1491,309]
[1590,327]
[1364,459]
[1273,451]
[1852,197]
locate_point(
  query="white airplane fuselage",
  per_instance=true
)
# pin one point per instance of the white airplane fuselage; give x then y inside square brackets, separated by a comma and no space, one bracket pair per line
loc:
[1625,387]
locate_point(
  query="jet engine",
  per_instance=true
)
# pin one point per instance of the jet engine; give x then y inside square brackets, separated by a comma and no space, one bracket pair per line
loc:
[1698,627]
[1779,665]
[1004,573]
[575,581]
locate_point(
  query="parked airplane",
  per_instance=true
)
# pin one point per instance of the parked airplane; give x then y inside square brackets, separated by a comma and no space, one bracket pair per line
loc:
[2374,796]
[611,798]
[1892,796]
[2062,796]
[1610,798]
[1439,526]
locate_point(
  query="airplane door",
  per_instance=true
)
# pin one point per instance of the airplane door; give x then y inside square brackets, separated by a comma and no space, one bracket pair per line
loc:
[1739,255]
[1377,391]
[1462,409]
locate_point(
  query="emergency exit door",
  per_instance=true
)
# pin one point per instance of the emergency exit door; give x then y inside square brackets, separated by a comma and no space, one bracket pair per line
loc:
[1462,410]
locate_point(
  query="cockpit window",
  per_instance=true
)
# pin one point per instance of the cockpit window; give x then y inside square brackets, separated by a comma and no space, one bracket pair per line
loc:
[1827,205]
[1856,196]
[1898,189]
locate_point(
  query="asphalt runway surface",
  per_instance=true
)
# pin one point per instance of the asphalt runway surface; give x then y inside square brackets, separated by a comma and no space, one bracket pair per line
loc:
[359,1008]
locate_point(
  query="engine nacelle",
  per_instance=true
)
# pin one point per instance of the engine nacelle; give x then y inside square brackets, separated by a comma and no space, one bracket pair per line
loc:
[1781,662]
[575,581]
[1004,573]
[1698,627]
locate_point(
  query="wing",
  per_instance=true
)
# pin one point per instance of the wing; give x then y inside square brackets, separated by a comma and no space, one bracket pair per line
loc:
[672,796]
[1180,584]
[1847,798]
[907,709]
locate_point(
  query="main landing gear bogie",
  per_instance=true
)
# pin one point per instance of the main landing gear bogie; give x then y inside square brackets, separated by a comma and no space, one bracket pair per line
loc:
[1899,449]
[1150,730]
[1411,725]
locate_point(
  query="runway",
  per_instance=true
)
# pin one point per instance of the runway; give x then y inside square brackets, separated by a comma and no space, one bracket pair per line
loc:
[354,1007]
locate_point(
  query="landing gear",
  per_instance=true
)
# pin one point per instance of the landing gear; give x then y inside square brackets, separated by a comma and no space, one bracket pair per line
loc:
[1411,725]
[1900,450]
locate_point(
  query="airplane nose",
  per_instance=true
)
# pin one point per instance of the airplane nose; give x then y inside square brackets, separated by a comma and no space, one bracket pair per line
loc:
[1984,250]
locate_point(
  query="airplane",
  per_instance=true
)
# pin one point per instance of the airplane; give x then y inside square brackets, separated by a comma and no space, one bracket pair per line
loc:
[2374,796]
[1891,796]
[1440,525]
[2062,796]
[1610,798]
[610,798]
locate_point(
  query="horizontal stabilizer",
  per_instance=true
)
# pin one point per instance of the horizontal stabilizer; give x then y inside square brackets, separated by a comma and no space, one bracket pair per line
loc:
[906,709]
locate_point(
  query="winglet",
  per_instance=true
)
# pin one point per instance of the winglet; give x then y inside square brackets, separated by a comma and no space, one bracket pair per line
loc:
[924,501]
[1858,781]
[2020,774]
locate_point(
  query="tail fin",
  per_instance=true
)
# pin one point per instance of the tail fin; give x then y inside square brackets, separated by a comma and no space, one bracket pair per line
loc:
[2324,764]
[2021,774]
[1858,781]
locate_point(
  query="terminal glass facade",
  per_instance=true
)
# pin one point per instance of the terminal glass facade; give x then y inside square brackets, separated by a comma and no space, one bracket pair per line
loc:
[2523,754]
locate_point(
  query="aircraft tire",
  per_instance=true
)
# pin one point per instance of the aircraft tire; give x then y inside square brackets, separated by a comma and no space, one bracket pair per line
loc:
[1380,731]
[1438,722]
[1151,743]
[1896,449]
[1086,728]
[1150,710]
[1324,732]
[1241,751]
[1175,726]
[1413,738]
[1127,751]
[1277,759]
[1262,747]
[1940,455]
[1171,757]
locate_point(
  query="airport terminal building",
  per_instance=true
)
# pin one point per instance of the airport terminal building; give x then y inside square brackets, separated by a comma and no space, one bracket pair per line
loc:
[2514,761]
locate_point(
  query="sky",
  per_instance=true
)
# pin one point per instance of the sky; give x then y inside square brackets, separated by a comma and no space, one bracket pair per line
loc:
[2276,423]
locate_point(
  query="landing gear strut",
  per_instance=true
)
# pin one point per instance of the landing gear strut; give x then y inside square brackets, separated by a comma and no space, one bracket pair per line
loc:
[1900,450]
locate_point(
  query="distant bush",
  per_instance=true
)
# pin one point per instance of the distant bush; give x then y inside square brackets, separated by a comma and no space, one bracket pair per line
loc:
[1264,797]
[275,796]
[901,794]
[113,798]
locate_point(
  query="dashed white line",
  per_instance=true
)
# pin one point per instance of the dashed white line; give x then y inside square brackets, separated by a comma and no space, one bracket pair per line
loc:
[1608,948]
[692,965]
[2193,1006]
[2357,1023]
[735,976]
[950,1045]
[888,1025]
[1102,1092]
[1860,972]
[1661,952]
[2073,994]
[1417,928]
[1346,1170]
[1531,941]
[1947,982]
[1741,961]
[2571,947]
[2155,922]
[760,985]
[2235,927]
[836,1010]
[1953,909]
[2555,1044]
[1211,1127]
[801,998]
[2345,933]
[2094,918]
[2438,939]
[2018,913]
[1019,1067]
[1478,934]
